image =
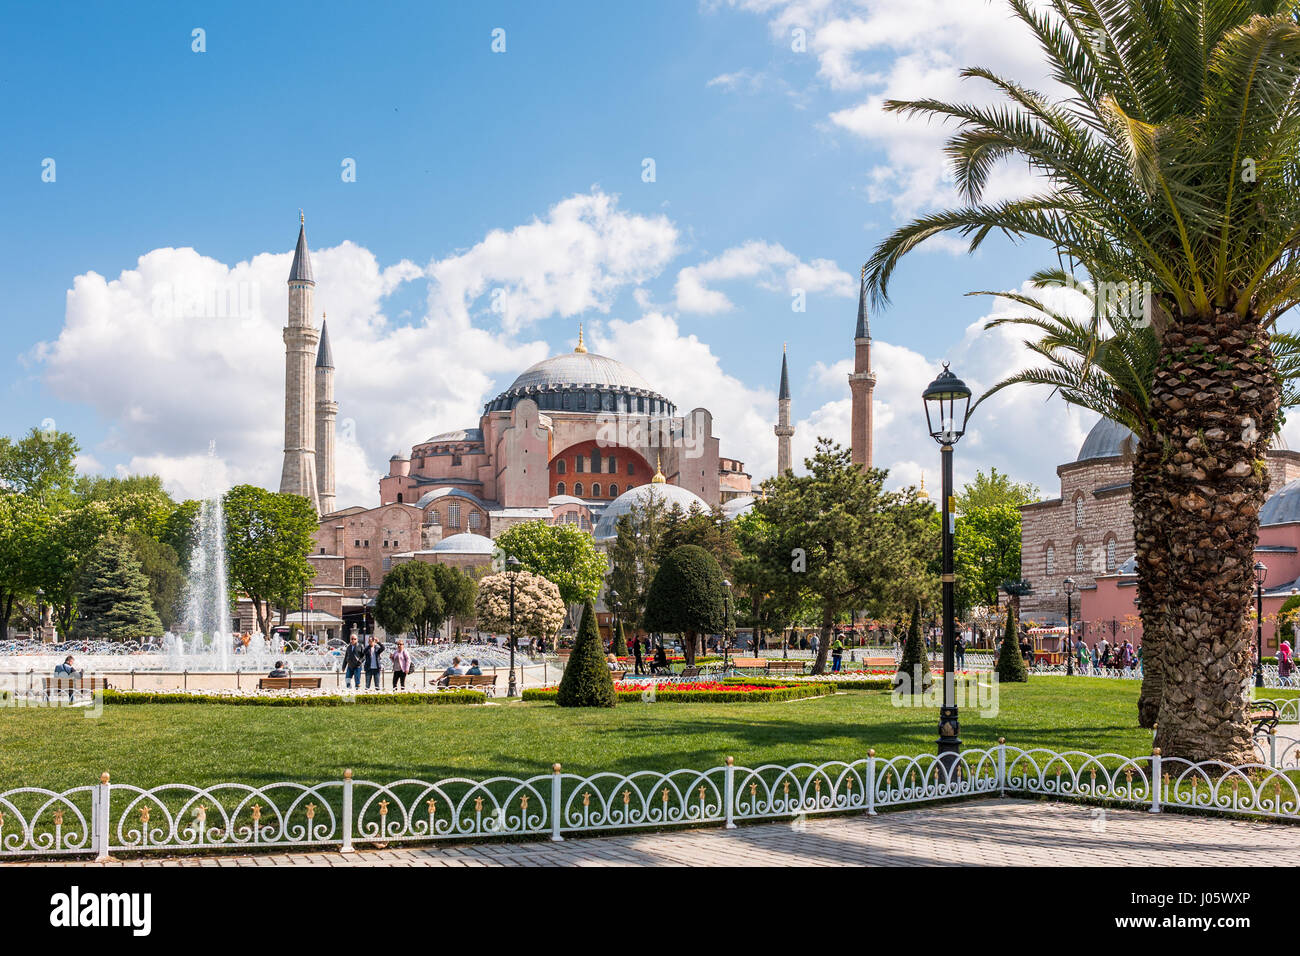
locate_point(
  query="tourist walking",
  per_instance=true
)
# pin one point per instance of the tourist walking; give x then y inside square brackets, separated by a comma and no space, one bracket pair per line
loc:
[401,664]
[354,659]
[1284,664]
[636,654]
[374,669]
[837,655]
[960,650]
[813,644]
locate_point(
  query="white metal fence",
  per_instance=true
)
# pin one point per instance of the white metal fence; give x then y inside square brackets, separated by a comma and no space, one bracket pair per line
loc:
[112,817]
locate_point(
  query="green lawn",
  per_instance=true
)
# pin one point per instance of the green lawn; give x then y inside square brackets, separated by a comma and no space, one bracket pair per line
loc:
[147,745]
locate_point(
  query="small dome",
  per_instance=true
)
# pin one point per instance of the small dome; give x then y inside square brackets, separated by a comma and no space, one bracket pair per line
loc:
[737,506]
[460,434]
[1107,440]
[430,496]
[565,500]
[607,526]
[1282,507]
[465,543]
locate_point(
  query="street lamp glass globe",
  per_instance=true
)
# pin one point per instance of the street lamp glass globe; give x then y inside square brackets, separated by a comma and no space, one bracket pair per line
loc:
[947,407]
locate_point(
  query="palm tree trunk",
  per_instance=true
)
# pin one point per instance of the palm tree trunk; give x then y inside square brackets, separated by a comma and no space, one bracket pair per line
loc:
[1152,546]
[1215,405]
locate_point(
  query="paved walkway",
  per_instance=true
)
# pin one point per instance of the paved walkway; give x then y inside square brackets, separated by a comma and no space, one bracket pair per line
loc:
[976,833]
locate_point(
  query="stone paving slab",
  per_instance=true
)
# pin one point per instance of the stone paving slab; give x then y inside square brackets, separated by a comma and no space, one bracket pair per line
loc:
[1002,832]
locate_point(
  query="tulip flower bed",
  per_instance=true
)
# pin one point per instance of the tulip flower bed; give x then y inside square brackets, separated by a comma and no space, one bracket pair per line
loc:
[701,692]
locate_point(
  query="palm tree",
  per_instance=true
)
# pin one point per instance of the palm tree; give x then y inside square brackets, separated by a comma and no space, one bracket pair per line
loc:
[1173,161]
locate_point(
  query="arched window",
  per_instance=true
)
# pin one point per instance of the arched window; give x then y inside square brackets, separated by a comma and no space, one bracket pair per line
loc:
[432,517]
[475,520]
[595,489]
[559,467]
[613,491]
[1110,555]
[577,488]
[453,515]
[1051,560]
[357,577]
[1078,557]
[399,497]
[559,487]
[1078,511]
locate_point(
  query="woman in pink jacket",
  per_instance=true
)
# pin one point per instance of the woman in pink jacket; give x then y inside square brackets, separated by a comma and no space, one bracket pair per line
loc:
[401,660]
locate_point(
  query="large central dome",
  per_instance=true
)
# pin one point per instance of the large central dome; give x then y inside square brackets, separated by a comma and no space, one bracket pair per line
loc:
[581,381]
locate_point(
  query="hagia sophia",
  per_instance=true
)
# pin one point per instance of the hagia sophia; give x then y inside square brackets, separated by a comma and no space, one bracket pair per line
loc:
[577,438]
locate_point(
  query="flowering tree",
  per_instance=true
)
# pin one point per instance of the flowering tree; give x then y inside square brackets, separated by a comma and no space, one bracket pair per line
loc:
[539,609]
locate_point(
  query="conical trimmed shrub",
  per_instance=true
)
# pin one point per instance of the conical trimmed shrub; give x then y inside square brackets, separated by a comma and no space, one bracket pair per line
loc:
[914,657]
[1011,666]
[620,640]
[587,681]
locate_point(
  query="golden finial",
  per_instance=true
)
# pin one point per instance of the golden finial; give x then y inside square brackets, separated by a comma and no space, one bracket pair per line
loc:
[783,347]
[302,220]
[658,478]
[923,493]
[581,347]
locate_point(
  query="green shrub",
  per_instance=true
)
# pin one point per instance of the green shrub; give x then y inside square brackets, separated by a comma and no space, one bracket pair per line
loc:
[587,681]
[774,694]
[915,660]
[1011,666]
[331,700]
[620,640]
[687,597]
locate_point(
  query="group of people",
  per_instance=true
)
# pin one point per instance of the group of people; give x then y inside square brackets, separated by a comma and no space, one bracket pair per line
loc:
[367,658]
[1107,656]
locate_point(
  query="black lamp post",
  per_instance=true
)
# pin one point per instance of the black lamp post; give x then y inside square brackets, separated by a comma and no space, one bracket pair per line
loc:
[947,409]
[513,565]
[1069,627]
[726,623]
[1261,572]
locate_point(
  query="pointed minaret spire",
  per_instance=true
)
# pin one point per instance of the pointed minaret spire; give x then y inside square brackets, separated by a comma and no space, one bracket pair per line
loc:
[300,271]
[862,383]
[784,430]
[324,355]
[581,347]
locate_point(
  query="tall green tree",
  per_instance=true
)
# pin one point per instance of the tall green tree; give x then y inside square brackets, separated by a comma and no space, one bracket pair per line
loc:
[687,597]
[986,551]
[634,557]
[408,598]
[843,541]
[1169,166]
[561,553]
[768,598]
[22,530]
[1011,663]
[41,464]
[162,568]
[113,595]
[268,538]
[914,665]
[995,489]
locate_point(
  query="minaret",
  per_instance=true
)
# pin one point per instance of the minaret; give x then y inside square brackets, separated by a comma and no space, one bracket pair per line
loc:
[784,430]
[298,477]
[327,411]
[862,382]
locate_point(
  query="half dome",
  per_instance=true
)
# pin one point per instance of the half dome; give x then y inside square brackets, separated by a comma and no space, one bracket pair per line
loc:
[607,526]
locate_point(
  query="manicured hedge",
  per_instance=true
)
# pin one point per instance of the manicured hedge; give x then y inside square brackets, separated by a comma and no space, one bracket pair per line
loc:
[775,693]
[331,700]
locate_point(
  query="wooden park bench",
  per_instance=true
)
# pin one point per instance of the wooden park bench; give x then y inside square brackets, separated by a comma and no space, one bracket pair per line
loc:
[747,663]
[288,683]
[485,682]
[782,666]
[78,682]
[1263,717]
[618,675]
[689,673]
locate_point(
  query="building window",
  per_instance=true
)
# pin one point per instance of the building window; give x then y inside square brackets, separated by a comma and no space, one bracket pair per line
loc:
[578,463]
[475,520]
[357,543]
[577,488]
[399,497]
[595,489]
[1051,561]
[453,515]
[613,465]
[455,459]
[1078,511]
[559,467]
[1110,555]
[559,487]
[1078,557]
[356,577]
[613,491]
[432,517]
[631,468]
[388,563]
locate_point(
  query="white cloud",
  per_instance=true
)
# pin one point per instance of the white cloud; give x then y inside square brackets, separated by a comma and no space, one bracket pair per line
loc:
[575,260]
[877,50]
[769,265]
[1025,432]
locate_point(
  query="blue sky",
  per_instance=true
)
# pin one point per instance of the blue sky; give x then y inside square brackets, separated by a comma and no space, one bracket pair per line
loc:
[773,171]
